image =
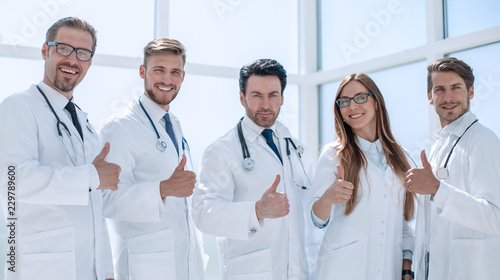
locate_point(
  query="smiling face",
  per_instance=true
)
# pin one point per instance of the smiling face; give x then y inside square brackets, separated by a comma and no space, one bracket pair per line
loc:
[263,99]
[163,76]
[449,96]
[64,73]
[360,117]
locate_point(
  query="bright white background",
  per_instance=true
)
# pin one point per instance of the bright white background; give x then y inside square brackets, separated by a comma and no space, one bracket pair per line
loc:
[318,41]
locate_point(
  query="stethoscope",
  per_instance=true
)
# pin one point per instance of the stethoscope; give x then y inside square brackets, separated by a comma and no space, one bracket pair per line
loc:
[249,163]
[160,144]
[60,124]
[442,172]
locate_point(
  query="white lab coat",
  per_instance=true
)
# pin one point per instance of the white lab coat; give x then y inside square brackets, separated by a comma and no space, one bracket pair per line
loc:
[463,220]
[369,242]
[224,206]
[60,229]
[151,238]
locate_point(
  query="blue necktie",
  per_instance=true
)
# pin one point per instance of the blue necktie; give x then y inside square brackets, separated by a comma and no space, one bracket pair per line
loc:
[268,134]
[170,130]
[72,111]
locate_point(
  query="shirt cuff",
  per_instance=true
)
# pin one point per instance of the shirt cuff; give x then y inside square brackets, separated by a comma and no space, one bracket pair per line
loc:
[94,181]
[255,225]
[408,254]
[441,195]
[318,222]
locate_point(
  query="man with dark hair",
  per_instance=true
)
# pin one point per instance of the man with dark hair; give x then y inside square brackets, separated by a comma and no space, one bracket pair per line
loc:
[458,229]
[252,182]
[56,169]
[151,228]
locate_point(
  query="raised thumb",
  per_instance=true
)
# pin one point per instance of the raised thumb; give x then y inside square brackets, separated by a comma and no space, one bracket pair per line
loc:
[340,175]
[182,164]
[104,152]
[423,158]
[275,184]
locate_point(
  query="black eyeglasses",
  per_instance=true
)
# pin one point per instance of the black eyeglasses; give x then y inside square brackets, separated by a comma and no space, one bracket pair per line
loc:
[359,98]
[67,50]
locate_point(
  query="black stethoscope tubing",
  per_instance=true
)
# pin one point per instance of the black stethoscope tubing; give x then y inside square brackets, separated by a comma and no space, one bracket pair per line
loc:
[59,122]
[248,162]
[442,172]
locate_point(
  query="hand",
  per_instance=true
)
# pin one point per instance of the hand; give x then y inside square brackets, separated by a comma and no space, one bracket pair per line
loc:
[272,204]
[108,172]
[422,180]
[340,191]
[181,182]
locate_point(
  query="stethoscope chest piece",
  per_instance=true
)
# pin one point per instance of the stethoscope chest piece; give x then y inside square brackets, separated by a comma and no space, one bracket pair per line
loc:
[442,173]
[300,150]
[248,164]
[161,145]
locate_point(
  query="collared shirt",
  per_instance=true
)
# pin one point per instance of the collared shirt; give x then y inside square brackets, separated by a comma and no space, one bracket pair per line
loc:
[374,152]
[154,110]
[258,129]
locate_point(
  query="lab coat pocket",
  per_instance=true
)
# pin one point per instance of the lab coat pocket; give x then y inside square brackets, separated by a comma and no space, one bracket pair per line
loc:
[466,259]
[342,253]
[151,255]
[49,266]
[152,266]
[256,265]
[49,254]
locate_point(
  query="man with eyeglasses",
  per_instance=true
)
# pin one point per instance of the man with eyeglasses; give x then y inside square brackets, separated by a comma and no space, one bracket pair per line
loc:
[52,169]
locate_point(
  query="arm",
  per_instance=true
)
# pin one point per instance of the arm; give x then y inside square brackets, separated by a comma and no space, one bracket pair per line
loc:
[483,201]
[323,188]
[478,208]
[214,211]
[133,201]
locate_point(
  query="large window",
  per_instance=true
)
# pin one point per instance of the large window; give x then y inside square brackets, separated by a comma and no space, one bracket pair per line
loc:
[120,31]
[358,30]
[233,33]
[464,17]
[486,66]
[319,42]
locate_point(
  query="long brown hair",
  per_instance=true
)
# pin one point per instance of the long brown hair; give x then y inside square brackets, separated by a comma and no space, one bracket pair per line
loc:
[351,156]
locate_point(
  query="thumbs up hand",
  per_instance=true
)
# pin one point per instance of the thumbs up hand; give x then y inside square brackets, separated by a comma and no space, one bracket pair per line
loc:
[422,180]
[181,182]
[340,191]
[108,172]
[272,204]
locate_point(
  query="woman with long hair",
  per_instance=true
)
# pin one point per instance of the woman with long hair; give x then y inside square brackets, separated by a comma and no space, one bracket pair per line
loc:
[358,194]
